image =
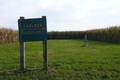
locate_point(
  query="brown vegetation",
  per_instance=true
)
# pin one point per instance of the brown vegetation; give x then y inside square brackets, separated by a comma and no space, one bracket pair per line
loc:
[111,34]
[8,35]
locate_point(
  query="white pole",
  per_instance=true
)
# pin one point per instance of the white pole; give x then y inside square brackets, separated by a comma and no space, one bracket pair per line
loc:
[86,41]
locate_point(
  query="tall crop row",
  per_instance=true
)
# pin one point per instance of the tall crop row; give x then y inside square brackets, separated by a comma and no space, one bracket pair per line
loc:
[8,35]
[111,34]
[66,35]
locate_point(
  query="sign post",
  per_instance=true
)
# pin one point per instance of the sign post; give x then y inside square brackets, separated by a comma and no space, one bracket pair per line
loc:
[32,30]
[22,53]
[45,63]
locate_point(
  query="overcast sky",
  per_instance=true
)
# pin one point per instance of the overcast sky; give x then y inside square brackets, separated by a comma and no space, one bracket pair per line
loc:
[62,15]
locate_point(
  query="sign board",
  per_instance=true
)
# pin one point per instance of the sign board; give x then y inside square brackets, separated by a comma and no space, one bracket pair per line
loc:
[32,29]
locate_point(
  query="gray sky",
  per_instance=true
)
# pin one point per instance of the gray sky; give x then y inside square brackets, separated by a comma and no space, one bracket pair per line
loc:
[62,15]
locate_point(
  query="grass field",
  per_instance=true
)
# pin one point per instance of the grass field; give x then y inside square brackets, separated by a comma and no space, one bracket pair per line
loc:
[67,59]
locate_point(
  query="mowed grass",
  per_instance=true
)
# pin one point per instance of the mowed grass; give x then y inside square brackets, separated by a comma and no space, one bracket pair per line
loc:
[69,59]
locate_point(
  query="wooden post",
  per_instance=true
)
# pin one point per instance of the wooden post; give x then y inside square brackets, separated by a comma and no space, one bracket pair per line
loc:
[45,65]
[22,54]
[86,41]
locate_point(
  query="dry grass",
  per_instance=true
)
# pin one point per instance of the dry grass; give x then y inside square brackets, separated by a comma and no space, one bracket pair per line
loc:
[8,35]
[110,34]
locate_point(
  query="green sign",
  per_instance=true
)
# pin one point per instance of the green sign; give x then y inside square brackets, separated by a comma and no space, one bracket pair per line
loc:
[32,29]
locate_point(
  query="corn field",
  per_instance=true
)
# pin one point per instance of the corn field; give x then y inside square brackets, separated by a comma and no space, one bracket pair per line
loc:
[8,35]
[66,35]
[111,34]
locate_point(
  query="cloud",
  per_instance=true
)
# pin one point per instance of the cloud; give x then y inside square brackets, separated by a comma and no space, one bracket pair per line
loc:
[62,14]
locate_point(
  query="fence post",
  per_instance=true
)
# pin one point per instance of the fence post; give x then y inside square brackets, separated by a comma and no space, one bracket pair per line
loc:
[22,54]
